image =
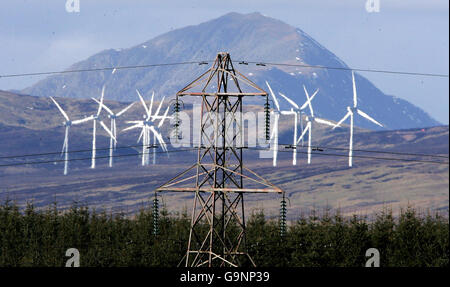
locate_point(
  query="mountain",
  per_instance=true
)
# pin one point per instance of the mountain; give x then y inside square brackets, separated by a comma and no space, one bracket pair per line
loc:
[250,37]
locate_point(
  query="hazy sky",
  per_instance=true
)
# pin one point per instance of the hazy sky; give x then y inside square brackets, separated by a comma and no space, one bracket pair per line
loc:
[405,35]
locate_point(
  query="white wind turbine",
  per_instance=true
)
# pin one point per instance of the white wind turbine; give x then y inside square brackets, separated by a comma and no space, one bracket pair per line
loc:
[94,119]
[67,123]
[296,111]
[148,127]
[309,121]
[274,134]
[350,113]
[113,137]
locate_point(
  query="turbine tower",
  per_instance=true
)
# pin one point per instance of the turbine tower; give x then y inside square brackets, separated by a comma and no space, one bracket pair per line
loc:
[350,113]
[113,128]
[67,123]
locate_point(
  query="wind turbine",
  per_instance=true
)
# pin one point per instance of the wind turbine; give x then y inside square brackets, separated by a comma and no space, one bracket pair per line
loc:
[309,121]
[295,111]
[67,123]
[113,137]
[274,134]
[147,127]
[350,113]
[94,119]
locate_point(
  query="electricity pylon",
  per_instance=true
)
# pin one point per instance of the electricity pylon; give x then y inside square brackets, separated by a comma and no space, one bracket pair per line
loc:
[219,178]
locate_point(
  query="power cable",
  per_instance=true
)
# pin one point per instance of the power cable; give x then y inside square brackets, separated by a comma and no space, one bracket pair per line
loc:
[205,62]
[86,158]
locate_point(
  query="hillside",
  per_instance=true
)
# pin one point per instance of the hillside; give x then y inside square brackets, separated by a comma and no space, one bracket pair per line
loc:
[328,181]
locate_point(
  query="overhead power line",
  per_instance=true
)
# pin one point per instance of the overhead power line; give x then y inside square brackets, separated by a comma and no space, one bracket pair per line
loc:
[88,158]
[351,69]
[362,156]
[371,151]
[280,144]
[251,148]
[240,62]
[98,69]
[72,151]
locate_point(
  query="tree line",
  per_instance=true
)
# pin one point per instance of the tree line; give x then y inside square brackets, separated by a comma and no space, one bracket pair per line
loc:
[32,237]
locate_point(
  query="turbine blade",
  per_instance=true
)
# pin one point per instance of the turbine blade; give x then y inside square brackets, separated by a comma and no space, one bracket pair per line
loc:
[324,122]
[287,113]
[159,107]
[164,117]
[273,96]
[66,133]
[107,130]
[124,110]
[83,120]
[363,114]
[143,102]
[60,109]
[304,132]
[151,105]
[101,101]
[104,106]
[308,101]
[159,137]
[133,127]
[342,120]
[307,96]
[140,135]
[115,132]
[355,97]
[289,101]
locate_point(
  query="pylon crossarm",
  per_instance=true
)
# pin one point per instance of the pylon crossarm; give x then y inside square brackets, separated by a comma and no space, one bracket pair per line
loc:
[191,84]
[249,82]
[264,180]
[179,175]
[211,75]
[246,81]
[230,190]
[223,94]
[173,181]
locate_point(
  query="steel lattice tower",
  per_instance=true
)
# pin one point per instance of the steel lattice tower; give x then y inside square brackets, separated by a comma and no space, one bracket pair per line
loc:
[219,178]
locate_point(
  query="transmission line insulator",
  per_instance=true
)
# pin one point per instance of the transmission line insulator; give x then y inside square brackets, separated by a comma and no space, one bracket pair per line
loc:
[283,212]
[267,118]
[176,111]
[155,215]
